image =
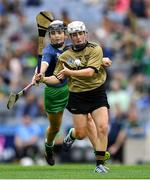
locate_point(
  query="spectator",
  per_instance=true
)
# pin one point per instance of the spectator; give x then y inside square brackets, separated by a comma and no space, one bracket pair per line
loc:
[116,127]
[138,8]
[133,127]
[33,2]
[65,17]
[118,98]
[30,104]
[26,138]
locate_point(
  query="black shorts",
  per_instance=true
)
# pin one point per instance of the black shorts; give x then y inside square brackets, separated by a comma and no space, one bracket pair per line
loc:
[87,102]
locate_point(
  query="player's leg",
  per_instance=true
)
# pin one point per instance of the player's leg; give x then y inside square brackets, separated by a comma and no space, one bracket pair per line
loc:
[100,117]
[79,115]
[91,131]
[92,134]
[55,120]
[54,127]
[78,132]
[55,101]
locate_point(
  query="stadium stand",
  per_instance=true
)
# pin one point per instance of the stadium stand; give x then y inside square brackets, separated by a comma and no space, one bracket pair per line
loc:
[122,29]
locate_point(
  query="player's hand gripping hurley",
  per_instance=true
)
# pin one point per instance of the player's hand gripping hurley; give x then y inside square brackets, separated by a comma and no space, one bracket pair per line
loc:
[43,19]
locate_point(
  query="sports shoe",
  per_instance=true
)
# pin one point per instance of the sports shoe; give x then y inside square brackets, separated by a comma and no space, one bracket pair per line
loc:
[100,169]
[67,143]
[49,155]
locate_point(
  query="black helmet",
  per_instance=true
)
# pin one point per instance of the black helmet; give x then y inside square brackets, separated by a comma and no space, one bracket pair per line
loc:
[57,25]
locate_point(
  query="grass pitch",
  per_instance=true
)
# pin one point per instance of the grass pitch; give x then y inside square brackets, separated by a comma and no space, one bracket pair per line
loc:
[73,171]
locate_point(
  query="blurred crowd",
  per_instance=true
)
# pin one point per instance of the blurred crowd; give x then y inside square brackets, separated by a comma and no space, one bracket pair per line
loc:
[121,27]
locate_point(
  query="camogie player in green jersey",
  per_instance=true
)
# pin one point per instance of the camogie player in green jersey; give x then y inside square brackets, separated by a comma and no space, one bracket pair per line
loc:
[55,96]
[83,66]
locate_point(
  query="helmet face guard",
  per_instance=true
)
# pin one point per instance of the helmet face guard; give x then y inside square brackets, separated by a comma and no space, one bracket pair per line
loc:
[75,27]
[57,25]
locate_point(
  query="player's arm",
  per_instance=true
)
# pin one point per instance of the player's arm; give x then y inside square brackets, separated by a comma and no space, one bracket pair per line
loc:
[44,66]
[87,72]
[43,69]
[46,59]
[54,79]
[51,80]
[47,80]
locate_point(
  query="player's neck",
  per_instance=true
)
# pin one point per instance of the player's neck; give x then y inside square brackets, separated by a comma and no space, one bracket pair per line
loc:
[79,47]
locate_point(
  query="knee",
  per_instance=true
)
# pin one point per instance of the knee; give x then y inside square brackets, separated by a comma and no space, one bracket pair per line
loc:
[55,131]
[90,124]
[89,119]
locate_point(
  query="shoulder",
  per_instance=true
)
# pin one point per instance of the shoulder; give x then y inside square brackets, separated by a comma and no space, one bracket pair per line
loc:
[63,55]
[67,52]
[48,49]
[92,45]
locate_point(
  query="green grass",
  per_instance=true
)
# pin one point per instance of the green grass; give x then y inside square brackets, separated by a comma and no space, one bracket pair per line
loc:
[73,171]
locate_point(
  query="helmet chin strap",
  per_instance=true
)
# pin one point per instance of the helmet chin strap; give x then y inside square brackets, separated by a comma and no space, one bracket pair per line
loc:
[58,45]
[79,47]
